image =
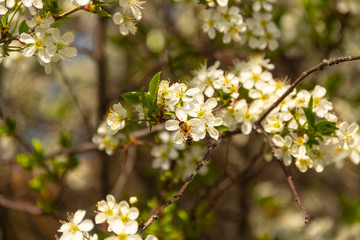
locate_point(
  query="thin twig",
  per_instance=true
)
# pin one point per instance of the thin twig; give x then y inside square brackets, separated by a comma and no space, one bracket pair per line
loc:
[88,147]
[123,176]
[17,37]
[22,142]
[20,206]
[287,174]
[179,194]
[320,66]
[74,97]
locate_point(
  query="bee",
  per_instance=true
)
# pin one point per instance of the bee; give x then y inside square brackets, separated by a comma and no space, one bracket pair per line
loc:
[185,131]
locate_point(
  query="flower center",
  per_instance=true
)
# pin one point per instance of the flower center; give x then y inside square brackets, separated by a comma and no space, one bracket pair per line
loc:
[125,219]
[74,228]
[122,236]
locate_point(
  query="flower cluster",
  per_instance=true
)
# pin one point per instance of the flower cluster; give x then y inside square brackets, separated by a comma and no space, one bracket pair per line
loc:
[47,43]
[302,127]
[257,29]
[312,143]
[120,217]
[226,20]
[105,139]
[128,16]
[193,115]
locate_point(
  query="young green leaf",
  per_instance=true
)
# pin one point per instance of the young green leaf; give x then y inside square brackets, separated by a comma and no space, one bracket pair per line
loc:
[325,128]
[8,127]
[310,117]
[23,27]
[101,12]
[132,97]
[222,128]
[26,161]
[311,103]
[65,140]
[153,88]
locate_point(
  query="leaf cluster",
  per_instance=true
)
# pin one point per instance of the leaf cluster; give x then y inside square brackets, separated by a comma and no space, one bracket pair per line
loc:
[316,129]
[148,100]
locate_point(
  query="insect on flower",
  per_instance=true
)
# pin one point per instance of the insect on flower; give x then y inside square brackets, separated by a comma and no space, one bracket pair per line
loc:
[185,131]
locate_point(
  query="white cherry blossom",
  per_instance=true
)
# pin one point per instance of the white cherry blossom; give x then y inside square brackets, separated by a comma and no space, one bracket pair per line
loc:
[116,117]
[75,228]
[283,150]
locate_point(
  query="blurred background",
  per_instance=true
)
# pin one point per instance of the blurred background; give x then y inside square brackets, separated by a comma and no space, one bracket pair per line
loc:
[241,196]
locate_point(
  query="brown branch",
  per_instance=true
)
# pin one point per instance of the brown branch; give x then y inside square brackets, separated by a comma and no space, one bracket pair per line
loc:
[124,174]
[22,142]
[179,194]
[20,206]
[320,66]
[287,174]
[17,37]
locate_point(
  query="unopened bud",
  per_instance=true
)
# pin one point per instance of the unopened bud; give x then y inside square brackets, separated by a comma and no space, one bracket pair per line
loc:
[133,200]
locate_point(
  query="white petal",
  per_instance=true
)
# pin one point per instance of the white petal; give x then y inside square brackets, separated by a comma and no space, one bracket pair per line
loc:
[222,3]
[124,30]
[246,128]
[181,114]
[192,91]
[353,128]
[172,125]
[78,216]
[213,133]
[100,218]
[27,3]
[134,237]
[131,227]
[38,4]
[118,18]
[26,38]
[83,2]
[137,13]
[278,140]
[44,56]
[3,10]
[29,51]
[86,225]
[68,38]
[133,213]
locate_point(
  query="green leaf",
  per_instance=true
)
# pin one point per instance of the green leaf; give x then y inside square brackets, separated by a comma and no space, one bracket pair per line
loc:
[132,97]
[311,103]
[26,161]
[38,151]
[153,88]
[310,117]
[65,140]
[23,27]
[38,148]
[37,183]
[101,12]
[145,98]
[222,128]
[51,6]
[8,127]
[310,143]
[325,128]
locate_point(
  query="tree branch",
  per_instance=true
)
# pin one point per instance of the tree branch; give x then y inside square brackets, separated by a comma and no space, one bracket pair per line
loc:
[179,194]
[17,37]
[288,176]
[320,66]
[20,206]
